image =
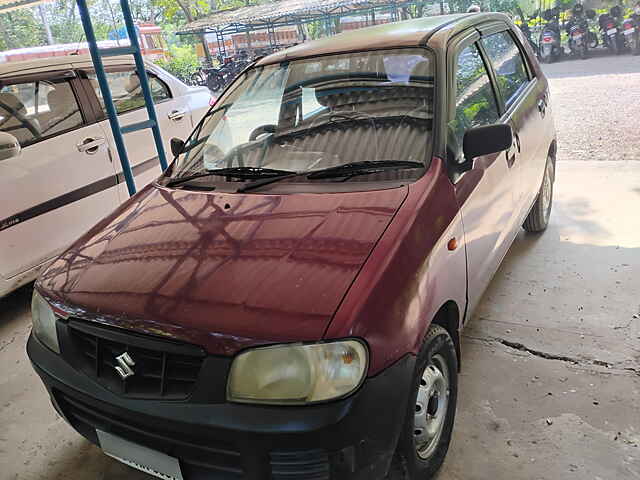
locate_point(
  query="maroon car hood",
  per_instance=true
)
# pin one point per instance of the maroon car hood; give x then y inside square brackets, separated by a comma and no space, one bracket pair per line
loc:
[224,271]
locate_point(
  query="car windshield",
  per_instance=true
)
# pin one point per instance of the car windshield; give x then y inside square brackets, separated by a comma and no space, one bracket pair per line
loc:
[319,113]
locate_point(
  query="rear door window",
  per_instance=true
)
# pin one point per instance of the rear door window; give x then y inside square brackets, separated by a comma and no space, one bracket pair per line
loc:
[509,65]
[127,92]
[36,110]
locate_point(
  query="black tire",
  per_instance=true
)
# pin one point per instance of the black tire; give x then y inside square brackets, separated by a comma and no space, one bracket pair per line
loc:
[538,218]
[614,46]
[437,350]
[636,42]
[584,51]
[213,82]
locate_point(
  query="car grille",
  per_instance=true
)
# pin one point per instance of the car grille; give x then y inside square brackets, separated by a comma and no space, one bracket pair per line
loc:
[200,455]
[162,369]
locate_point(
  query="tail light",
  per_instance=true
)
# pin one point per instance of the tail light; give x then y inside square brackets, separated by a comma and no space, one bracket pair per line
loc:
[610,25]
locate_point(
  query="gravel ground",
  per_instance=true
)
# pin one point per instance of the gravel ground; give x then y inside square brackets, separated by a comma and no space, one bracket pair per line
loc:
[596,107]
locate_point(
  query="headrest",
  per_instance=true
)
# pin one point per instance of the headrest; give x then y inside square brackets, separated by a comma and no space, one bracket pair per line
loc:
[61,99]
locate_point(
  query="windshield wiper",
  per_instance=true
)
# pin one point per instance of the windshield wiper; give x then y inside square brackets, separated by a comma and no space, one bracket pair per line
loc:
[234,172]
[347,170]
[267,181]
[363,168]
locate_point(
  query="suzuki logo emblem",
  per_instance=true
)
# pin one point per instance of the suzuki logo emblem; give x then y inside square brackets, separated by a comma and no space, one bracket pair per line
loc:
[125,364]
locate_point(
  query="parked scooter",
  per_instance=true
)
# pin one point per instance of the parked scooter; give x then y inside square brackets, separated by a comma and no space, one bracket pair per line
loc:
[550,47]
[631,30]
[578,31]
[592,37]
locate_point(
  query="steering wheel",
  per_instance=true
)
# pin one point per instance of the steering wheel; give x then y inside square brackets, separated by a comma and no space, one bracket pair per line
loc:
[24,121]
[269,128]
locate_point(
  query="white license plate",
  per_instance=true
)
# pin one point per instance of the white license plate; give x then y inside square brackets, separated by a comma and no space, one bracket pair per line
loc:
[628,31]
[612,31]
[142,458]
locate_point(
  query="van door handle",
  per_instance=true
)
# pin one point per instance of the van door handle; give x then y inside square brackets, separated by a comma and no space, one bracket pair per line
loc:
[90,145]
[542,107]
[176,115]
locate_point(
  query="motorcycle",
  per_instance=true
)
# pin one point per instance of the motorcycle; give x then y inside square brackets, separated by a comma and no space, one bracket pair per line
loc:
[578,39]
[631,31]
[549,44]
[610,30]
[592,37]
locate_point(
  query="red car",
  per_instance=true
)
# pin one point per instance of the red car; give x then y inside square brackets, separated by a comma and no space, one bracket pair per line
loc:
[285,301]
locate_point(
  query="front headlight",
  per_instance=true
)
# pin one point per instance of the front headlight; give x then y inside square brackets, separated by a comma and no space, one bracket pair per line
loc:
[44,322]
[297,374]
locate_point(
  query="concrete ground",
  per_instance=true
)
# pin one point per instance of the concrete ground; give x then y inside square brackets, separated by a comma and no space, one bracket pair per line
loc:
[551,360]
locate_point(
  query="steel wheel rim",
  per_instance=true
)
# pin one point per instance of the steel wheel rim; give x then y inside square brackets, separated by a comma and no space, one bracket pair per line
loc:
[547,189]
[432,405]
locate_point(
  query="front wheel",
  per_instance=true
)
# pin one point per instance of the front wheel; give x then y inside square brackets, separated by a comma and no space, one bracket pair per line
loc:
[426,434]
[538,218]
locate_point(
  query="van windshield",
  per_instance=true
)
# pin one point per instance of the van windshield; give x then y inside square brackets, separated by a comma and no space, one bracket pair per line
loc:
[320,113]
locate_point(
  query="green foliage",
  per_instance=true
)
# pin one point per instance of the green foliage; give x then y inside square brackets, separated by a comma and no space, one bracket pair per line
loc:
[182,62]
[19,28]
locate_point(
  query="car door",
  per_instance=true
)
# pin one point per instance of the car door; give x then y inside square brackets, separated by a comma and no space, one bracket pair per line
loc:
[61,183]
[171,111]
[486,188]
[519,93]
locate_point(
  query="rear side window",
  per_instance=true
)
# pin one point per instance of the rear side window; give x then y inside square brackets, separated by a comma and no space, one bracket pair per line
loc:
[127,92]
[508,63]
[475,100]
[34,111]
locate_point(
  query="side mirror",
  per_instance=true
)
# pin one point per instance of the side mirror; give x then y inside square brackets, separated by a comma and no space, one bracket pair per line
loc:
[177,146]
[9,146]
[481,141]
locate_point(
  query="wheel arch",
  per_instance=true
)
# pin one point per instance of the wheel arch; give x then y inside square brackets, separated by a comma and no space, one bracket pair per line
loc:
[553,149]
[448,317]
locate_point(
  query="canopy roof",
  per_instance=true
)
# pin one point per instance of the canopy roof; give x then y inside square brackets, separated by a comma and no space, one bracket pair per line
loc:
[288,12]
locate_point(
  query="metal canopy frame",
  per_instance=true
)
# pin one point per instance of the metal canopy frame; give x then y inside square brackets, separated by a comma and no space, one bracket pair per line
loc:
[248,19]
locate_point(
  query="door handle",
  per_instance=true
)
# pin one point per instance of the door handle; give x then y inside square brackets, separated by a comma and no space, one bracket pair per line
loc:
[542,107]
[90,145]
[517,138]
[176,115]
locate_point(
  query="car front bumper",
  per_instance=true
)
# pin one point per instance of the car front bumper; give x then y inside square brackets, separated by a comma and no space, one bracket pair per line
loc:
[351,439]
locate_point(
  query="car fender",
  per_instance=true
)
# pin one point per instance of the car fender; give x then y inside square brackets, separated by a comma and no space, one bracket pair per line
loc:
[418,265]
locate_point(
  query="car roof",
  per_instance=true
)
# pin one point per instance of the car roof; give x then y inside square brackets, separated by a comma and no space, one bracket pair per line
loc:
[57,63]
[409,33]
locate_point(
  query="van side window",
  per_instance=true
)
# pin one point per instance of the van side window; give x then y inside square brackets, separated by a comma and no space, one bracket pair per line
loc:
[476,103]
[36,110]
[127,92]
[511,73]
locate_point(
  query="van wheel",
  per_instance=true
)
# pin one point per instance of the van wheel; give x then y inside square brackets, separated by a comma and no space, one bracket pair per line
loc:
[538,218]
[426,434]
